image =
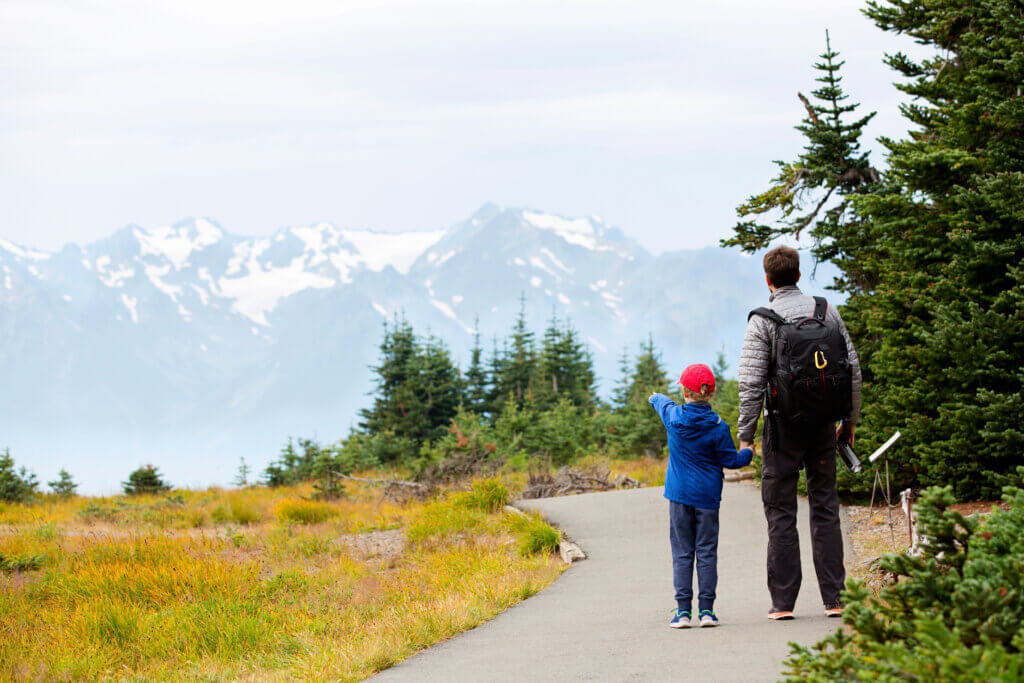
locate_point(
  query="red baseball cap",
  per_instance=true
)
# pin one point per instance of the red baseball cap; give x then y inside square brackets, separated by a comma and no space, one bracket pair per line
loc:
[696,375]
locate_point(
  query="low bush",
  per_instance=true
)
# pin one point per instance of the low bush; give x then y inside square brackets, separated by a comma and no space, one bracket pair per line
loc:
[304,511]
[20,563]
[535,536]
[953,612]
[488,495]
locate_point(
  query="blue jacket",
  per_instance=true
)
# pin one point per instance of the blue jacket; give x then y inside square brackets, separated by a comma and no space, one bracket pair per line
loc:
[699,446]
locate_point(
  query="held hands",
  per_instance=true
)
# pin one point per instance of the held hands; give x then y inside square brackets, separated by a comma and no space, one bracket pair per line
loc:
[748,444]
[845,432]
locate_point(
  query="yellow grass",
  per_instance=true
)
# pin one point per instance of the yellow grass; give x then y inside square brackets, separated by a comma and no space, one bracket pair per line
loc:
[236,584]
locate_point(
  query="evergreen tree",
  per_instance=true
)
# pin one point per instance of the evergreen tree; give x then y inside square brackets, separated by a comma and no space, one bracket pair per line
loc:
[418,387]
[941,328]
[146,479]
[813,192]
[64,485]
[496,365]
[520,362]
[620,395]
[242,477]
[477,390]
[16,486]
[637,428]
[565,367]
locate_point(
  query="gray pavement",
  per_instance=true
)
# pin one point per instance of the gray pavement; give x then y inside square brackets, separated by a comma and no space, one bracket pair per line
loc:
[606,618]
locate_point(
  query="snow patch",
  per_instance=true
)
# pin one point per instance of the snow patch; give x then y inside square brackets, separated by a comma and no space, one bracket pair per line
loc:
[130,303]
[444,308]
[576,231]
[66,297]
[380,309]
[457,299]
[540,265]
[535,281]
[564,299]
[21,252]
[177,244]
[258,292]
[554,259]
[399,250]
[518,261]
[113,278]
[599,345]
[447,256]
[154,273]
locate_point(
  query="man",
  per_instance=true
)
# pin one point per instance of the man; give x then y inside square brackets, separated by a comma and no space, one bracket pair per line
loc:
[791,444]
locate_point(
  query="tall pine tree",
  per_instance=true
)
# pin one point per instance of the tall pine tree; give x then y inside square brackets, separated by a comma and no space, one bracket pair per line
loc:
[811,195]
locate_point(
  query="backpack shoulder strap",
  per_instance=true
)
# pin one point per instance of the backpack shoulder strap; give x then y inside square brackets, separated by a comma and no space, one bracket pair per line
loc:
[767,313]
[820,306]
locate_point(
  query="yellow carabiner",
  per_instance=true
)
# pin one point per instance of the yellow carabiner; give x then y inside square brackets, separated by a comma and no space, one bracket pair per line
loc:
[820,364]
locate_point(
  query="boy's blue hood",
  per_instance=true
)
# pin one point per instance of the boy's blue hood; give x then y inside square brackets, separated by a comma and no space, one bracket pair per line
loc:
[695,419]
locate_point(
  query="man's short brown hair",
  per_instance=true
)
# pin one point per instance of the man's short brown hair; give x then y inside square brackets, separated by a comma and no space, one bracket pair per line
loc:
[782,266]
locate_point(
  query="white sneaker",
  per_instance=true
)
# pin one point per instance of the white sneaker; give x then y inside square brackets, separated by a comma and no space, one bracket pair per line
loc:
[708,618]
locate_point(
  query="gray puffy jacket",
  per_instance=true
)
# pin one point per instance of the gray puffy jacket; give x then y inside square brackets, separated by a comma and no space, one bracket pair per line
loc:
[755,358]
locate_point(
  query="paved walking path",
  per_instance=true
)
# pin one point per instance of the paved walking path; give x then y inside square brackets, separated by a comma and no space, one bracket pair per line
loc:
[606,618]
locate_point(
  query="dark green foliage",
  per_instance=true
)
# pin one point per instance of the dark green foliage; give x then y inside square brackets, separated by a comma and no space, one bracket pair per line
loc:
[63,486]
[633,428]
[477,389]
[418,388]
[954,611]
[293,466]
[565,368]
[932,254]
[942,328]
[16,485]
[146,479]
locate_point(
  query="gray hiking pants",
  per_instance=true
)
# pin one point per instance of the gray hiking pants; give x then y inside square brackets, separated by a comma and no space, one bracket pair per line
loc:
[787,449]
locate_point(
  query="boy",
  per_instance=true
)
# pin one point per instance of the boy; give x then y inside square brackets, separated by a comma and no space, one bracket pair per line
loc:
[699,446]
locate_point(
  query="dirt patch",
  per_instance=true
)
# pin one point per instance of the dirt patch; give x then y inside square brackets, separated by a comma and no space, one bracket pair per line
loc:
[385,544]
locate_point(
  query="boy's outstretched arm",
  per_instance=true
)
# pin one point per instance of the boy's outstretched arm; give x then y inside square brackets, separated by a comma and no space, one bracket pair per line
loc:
[726,451]
[662,405]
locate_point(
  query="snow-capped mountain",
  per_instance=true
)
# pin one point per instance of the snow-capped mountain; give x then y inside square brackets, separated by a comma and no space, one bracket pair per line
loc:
[191,347]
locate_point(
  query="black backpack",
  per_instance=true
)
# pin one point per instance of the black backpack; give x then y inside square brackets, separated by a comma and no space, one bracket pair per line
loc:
[810,379]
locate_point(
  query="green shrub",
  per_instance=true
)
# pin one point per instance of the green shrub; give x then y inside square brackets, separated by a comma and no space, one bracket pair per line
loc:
[488,495]
[954,611]
[20,563]
[535,536]
[304,511]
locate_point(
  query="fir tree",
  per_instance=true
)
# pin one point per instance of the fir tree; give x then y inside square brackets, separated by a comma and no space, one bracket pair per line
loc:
[242,477]
[813,192]
[146,479]
[941,328]
[16,485]
[565,367]
[64,485]
[520,362]
[477,389]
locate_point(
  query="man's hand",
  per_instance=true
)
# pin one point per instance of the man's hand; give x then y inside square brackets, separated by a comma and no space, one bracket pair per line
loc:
[845,432]
[748,444]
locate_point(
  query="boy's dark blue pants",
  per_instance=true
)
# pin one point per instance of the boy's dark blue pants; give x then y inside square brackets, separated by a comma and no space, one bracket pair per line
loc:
[694,535]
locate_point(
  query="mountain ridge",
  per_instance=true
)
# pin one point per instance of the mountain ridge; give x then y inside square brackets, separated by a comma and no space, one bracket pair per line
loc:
[189,346]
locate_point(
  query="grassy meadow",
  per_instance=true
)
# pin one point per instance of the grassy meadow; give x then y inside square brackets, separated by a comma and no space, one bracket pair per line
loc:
[260,583]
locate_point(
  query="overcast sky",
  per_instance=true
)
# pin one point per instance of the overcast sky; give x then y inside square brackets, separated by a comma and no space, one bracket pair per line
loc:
[408,114]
